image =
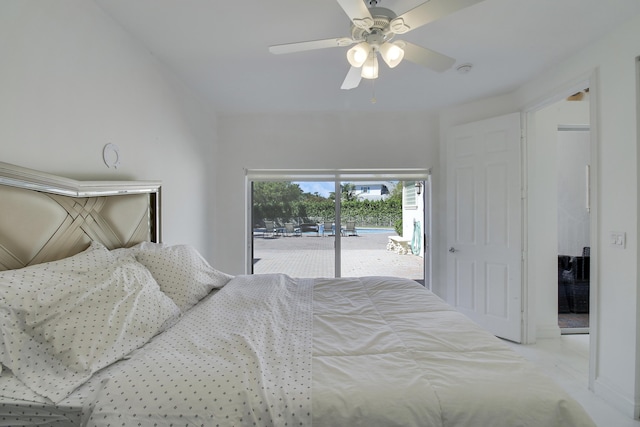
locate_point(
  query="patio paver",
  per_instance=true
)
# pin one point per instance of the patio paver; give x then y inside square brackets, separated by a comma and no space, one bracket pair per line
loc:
[312,256]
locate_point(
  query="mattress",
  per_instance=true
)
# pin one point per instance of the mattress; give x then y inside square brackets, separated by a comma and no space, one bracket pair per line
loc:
[272,350]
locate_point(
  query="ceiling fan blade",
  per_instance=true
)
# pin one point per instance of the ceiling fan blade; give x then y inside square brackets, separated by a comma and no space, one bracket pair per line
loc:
[310,45]
[431,11]
[427,57]
[358,12]
[352,80]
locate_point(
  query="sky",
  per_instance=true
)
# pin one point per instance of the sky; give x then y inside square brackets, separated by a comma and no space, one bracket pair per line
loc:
[322,188]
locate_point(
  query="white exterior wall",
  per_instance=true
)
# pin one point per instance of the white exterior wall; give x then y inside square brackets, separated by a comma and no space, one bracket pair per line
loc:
[412,214]
[72,81]
[375,190]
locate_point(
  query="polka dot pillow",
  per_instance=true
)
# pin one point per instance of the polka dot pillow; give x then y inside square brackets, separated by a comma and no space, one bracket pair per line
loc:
[182,273]
[62,321]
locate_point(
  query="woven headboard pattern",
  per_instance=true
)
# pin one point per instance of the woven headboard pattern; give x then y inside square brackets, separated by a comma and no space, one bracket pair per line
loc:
[38,226]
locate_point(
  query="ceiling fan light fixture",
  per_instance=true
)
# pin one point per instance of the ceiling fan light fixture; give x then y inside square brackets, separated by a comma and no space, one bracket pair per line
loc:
[358,54]
[392,54]
[370,67]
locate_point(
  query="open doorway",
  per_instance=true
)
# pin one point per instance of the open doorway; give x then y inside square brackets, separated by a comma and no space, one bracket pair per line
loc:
[562,216]
[564,131]
[574,247]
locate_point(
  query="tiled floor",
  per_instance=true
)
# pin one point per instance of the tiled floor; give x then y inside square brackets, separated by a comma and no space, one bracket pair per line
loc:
[566,360]
[312,255]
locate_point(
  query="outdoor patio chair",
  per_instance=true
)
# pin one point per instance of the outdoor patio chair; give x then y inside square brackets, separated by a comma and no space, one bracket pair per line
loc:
[291,230]
[350,229]
[270,229]
[328,228]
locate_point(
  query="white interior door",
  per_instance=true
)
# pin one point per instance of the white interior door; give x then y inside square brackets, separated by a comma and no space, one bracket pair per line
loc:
[484,223]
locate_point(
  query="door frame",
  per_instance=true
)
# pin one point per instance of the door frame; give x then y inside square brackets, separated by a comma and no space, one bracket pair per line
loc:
[427,232]
[589,80]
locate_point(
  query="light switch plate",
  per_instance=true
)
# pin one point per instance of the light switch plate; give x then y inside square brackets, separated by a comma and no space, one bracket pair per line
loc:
[618,239]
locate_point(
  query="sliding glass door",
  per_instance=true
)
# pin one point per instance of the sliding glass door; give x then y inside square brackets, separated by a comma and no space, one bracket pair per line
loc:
[288,234]
[359,225]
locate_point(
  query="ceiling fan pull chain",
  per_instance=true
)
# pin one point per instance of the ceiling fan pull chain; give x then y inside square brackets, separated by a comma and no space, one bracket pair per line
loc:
[373,92]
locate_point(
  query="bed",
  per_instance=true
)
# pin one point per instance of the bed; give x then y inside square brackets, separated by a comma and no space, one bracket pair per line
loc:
[103,325]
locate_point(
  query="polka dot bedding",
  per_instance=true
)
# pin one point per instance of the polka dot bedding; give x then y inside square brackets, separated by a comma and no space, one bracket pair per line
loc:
[62,321]
[182,273]
[240,357]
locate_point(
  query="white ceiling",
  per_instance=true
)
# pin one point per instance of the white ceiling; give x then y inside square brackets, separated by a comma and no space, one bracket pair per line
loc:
[220,49]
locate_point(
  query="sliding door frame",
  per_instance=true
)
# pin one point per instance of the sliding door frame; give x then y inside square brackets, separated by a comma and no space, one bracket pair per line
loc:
[337,176]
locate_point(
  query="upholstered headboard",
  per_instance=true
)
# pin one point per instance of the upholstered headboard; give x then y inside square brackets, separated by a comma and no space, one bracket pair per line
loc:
[44,217]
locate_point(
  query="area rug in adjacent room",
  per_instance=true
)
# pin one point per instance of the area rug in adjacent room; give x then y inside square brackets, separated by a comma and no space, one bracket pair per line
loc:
[573,320]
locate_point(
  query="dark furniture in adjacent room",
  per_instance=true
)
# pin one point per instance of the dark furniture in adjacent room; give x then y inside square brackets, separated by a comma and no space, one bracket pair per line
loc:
[573,283]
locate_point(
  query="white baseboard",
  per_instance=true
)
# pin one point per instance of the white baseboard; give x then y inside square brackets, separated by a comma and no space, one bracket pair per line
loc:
[548,331]
[612,395]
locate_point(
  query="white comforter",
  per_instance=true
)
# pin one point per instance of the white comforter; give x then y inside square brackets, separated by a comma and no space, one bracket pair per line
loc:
[386,352]
[268,350]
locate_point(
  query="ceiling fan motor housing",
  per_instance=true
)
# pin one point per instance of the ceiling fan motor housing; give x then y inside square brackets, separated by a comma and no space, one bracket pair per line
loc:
[379,31]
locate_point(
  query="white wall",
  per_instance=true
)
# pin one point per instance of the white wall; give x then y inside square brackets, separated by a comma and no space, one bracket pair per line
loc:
[309,141]
[616,372]
[574,156]
[72,80]
[618,350]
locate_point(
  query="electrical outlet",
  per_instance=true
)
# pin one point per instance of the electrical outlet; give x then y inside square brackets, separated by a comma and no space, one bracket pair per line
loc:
[618,239]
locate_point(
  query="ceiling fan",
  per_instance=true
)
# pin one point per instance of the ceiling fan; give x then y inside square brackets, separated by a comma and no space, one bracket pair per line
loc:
[372,31]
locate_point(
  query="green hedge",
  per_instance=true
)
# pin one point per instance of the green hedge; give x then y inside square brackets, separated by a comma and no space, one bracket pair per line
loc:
[367,213]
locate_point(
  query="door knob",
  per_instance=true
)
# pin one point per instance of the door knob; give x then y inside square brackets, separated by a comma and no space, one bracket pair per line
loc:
[452,249]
